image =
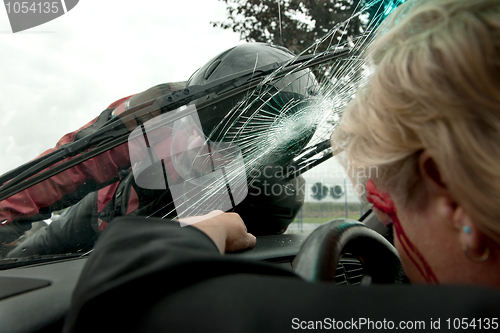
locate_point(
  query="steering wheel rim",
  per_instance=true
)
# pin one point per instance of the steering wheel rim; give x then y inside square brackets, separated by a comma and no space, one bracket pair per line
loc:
[320,253]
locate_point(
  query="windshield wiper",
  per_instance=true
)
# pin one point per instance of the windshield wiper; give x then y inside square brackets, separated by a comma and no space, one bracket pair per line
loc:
[116,133]
[307,162]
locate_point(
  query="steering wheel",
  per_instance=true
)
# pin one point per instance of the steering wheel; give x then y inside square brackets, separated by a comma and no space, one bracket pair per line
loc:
[320,253]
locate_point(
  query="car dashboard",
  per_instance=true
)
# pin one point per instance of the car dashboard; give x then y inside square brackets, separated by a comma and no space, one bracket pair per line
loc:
[36,297]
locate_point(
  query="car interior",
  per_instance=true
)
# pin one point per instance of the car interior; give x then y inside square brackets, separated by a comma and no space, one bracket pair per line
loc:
[35,295]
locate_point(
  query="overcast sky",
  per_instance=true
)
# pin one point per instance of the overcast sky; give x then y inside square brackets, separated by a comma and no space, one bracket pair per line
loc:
[56,77]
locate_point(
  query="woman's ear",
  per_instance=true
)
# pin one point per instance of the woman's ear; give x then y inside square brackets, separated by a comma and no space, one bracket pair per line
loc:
[434,187]
[469,237]
[430,173]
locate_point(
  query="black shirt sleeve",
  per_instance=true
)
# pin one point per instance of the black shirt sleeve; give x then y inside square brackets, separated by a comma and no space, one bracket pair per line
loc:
[151,275]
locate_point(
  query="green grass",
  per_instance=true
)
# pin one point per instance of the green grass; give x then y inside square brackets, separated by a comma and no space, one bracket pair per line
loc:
[321,212]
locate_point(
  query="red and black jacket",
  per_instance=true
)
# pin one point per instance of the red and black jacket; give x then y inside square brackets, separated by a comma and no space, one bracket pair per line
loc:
[103,173]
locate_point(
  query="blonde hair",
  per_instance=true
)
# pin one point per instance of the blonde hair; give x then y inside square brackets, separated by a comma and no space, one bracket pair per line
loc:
[435,87]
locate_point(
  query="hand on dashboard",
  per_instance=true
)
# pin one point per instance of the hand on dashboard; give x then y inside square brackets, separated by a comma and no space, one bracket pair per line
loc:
[227,230]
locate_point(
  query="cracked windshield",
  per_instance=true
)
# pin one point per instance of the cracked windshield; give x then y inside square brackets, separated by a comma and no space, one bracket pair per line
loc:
[174,112]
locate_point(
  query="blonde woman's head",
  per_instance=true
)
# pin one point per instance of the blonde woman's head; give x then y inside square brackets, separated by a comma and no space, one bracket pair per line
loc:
[435,87]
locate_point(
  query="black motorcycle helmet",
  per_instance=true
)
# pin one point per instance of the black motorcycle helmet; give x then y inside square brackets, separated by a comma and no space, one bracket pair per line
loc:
[273,119]
[274,105]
